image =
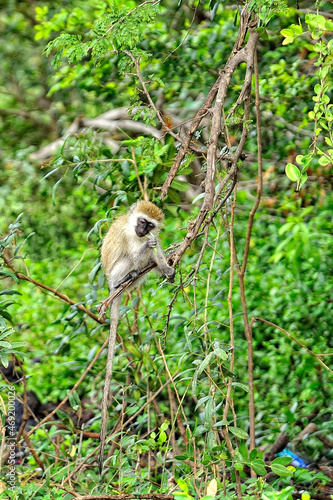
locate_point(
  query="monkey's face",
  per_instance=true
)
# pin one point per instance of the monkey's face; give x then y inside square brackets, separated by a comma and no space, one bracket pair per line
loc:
[143,227]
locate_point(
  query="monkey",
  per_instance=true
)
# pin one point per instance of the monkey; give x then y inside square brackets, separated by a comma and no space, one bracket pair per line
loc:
[130,245]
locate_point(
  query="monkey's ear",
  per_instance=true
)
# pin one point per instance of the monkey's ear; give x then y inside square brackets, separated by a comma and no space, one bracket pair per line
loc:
[132,208]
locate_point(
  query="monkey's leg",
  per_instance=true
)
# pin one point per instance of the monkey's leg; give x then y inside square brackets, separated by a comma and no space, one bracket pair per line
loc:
[114,314]
[132,275]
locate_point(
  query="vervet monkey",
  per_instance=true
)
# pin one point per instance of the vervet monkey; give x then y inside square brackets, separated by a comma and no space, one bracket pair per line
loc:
[130,245]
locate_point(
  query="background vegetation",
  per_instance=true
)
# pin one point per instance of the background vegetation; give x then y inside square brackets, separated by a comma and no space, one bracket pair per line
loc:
[81,140]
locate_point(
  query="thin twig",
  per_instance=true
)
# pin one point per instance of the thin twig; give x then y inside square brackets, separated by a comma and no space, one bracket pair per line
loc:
[317,356]
[143,192]
[121,20]
[136,62]
[259,188]
[187,33]
[60,295]
[241,271]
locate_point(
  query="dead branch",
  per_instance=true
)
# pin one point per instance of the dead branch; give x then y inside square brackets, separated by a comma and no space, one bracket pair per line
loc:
[112,126]
[313,429]
[219,90]
[238,55]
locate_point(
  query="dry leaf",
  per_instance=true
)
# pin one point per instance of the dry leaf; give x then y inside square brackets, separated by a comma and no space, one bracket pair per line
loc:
[212,488]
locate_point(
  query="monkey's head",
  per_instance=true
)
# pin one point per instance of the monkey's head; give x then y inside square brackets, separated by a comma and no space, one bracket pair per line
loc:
[145,217]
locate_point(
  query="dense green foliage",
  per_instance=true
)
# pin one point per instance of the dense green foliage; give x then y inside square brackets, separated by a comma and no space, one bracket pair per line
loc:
[62,65]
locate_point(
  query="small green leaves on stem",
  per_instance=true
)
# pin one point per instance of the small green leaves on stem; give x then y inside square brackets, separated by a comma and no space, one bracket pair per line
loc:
[321,115]
[294,174]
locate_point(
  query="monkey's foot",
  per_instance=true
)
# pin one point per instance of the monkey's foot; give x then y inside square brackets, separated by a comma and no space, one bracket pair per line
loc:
[103,307]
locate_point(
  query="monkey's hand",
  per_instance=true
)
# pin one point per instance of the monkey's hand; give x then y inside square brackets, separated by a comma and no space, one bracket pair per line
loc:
[152,242]
[170,273]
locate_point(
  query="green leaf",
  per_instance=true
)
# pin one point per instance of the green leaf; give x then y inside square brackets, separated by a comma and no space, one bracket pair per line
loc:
[323,160]
[287,40]
[54,189]
[201,429]
[50,173]
[292,172]
[220,423]
[241,386]
[181,457]
[4,360]
[236,431]
[10,292]
[8,273]
[329,25]
[133,349]
[238,466]
[181,495]
[73,400]
[204,363]
[264,34]
[182,485]
[281,461]
[287,32]
[296,29]
[4,343]
[174,196]
[5,314]
[303,179]
[243,450]
[162,437]
[220,353]
[209,410]
[180,185]
[280,470]
[259,467]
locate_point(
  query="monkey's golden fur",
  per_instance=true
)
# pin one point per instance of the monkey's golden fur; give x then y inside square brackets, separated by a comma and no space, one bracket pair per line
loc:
[150,209]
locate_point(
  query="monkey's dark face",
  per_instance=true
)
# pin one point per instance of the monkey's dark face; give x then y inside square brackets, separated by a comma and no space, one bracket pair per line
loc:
[143,227]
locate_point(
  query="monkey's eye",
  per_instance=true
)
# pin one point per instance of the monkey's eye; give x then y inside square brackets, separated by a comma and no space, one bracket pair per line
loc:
[142,221]
[150,225]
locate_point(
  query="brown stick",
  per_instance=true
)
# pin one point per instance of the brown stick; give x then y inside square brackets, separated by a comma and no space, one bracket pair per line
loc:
[279,445]
[260,169]
[310,429]
[32,450]
[55,292]
[187,140]
[244,55]
[220,87]
[241,271]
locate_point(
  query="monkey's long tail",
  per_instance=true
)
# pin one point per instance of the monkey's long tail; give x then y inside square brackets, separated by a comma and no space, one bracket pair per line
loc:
[114,313]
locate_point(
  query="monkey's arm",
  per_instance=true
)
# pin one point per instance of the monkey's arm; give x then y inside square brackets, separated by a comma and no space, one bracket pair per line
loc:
[141,256]
[163,266]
